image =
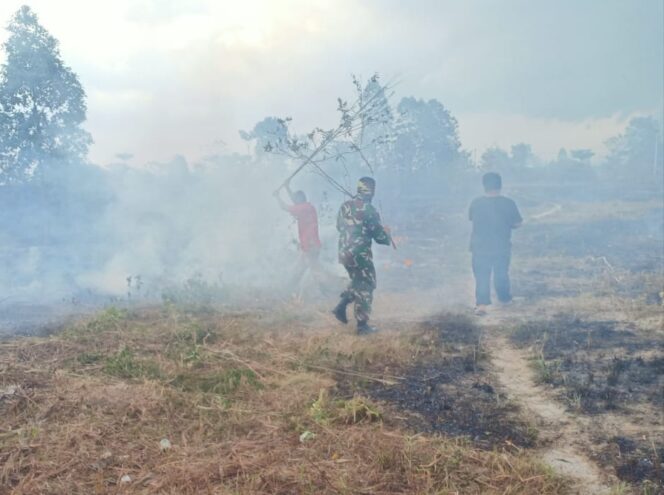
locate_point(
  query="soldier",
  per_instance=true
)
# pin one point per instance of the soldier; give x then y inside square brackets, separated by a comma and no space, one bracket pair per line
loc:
[358,224]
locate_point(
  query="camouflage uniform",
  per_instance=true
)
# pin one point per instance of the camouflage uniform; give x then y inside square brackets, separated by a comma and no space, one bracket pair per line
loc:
[358,224]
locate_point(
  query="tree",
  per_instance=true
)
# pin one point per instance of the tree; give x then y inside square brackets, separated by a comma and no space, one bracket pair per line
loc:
[376,135]
[329,152]
[562,155]
[42,104]
[636,154]
[522,155]
[571,167]
[427,136]
[495,159]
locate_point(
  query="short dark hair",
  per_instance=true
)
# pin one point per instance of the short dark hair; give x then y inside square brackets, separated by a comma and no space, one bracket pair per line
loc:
[299,197]
[492,181]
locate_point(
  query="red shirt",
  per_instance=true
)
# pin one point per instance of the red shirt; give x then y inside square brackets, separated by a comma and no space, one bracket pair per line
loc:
[307,225]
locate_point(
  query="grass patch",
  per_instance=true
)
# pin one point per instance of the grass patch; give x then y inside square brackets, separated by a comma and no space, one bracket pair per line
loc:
[236,420]
[195,293]
[124,364]
[221,383]
[546,371]
[110,319]
[325,411]
[88,358]
[186,346]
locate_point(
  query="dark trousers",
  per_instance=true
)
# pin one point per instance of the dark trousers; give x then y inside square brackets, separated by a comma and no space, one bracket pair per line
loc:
[483,265]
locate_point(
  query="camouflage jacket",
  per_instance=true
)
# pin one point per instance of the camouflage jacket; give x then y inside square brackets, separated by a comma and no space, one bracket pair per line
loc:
[358,224]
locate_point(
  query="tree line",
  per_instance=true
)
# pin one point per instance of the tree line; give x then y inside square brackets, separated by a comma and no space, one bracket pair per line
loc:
[43,107]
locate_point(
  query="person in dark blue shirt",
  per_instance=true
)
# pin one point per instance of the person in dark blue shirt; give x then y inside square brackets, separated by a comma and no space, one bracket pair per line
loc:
[494,217]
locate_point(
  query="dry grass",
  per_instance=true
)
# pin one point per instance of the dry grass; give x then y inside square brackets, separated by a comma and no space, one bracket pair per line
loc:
[232,393]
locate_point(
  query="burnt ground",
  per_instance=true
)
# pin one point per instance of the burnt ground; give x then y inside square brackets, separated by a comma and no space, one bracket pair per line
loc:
[599,368]
[570,258]
[453,393]
[630,243]
[635,461]
[596,367]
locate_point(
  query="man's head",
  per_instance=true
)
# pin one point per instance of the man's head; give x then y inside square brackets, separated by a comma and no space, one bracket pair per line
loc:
[299,197]
[366,187]
[492,182]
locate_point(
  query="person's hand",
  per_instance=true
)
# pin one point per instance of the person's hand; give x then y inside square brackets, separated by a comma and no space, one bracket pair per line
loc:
[387,230]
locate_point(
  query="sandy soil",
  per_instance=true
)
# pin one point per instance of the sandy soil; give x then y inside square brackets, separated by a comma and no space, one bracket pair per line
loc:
[564,435]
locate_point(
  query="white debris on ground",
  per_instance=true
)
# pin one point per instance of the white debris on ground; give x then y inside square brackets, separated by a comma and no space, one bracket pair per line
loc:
[9,391]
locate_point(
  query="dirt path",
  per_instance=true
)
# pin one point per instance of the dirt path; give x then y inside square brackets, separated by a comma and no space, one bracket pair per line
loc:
[563,434]
[551,211]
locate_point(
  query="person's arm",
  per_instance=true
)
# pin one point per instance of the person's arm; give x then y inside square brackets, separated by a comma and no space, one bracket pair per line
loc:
[379,233]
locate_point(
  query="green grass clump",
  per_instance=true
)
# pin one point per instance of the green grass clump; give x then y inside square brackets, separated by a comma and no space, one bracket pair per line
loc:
[88,358]
[124,364]
[547,371]
[356,410]
[186,345]
[222,383]
[109,319]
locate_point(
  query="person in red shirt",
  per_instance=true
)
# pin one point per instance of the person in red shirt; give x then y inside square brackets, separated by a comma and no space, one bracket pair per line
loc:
[307,229]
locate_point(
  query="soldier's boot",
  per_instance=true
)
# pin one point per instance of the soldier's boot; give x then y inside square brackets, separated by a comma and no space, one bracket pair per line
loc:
[363,328]
[339,310]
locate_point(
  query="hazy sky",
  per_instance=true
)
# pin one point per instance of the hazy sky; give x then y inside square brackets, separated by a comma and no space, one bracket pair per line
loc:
[166,77]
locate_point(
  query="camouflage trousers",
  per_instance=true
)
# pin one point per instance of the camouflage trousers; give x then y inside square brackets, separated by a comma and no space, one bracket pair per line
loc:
[361,287]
